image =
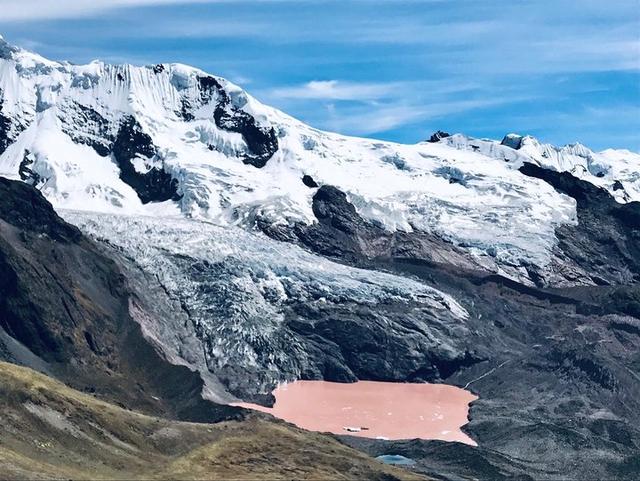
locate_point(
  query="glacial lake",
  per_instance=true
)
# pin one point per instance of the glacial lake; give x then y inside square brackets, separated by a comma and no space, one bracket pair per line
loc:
[374,409]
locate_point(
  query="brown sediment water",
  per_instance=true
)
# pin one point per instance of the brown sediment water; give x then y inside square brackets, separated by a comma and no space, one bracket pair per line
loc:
[374,409]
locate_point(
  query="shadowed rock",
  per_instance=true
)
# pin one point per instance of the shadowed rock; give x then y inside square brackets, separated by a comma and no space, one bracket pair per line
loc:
[154,185]
[262,142]
[438,136]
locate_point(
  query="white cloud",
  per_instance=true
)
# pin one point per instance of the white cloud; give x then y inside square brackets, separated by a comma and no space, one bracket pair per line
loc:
[26,10]
[361,108]
[337,90]
[375,120]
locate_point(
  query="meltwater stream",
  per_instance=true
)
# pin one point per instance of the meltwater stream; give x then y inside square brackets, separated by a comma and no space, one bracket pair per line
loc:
[373,409]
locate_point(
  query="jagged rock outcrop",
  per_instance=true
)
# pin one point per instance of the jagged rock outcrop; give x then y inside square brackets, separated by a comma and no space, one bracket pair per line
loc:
[309,182]
[136,156]
[513,141]
[438,136]
[5,126]
[261,142]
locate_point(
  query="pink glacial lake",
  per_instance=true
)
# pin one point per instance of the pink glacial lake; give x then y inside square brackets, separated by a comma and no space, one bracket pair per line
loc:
[374,409]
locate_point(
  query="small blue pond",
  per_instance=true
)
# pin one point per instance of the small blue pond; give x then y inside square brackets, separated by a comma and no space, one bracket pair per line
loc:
[395,459]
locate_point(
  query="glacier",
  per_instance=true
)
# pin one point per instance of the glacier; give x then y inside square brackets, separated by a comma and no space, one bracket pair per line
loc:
[242,290]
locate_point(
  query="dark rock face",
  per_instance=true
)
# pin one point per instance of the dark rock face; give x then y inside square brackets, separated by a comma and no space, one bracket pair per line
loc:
[210,88]
[309,182]
[513,141]
[438,136]
[185,110]
[25,172]
[64,310]
[155,185]
[25,208]
[391,342]
[341,233]
[606,241]
[262,142]
[6,50]
[125,143]
[5,126]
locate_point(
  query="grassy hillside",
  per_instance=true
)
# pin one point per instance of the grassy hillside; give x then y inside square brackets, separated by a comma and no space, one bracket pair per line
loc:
[48,430]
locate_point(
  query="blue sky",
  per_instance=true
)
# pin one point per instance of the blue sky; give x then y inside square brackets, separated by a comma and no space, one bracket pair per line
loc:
[562,70]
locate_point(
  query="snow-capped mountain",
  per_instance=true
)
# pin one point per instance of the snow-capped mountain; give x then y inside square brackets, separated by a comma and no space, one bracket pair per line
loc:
[166,139]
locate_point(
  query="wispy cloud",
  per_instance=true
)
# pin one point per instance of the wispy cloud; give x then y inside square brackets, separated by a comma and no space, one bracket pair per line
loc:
[29,10]
[362,108]
[338,90]
[343,90]
[380,67]
[373,119]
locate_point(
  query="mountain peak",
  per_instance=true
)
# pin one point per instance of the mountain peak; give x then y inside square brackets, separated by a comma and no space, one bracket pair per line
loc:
[512,140]
[6,50]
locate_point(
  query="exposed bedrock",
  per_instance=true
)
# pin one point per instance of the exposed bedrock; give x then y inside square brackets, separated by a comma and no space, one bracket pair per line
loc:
[88,127]
[5,126]
[438,136]
[309,182]
[262,142]
[392,342]
[135,154]
[25,170]
[10,127]
[129,146]
[602,249]
[342,233]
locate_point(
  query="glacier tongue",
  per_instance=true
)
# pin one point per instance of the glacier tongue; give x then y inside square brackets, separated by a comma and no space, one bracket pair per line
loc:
[242,292]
